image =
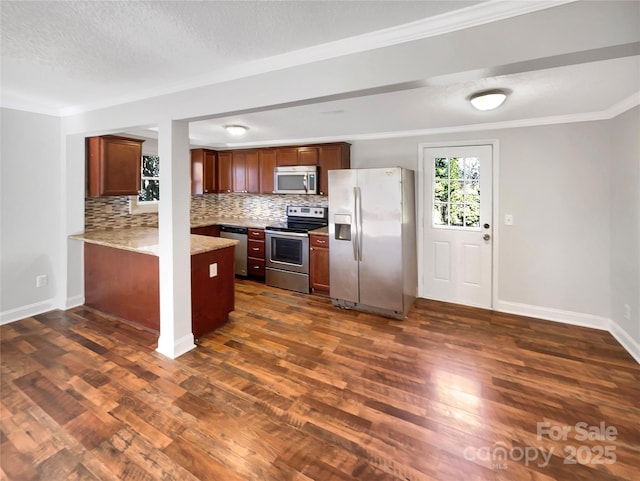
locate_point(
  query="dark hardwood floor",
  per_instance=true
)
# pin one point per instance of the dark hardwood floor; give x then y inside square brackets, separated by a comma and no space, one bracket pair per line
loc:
[292,388]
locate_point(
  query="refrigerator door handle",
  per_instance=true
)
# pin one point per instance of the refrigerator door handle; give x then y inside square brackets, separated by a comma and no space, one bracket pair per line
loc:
[360,236]
[354,238]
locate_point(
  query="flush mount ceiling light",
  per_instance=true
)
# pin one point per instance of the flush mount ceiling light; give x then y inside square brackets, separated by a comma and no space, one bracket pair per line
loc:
[489,99]
[236,130]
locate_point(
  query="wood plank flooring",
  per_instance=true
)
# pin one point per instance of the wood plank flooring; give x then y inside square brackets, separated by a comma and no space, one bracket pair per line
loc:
[292,388]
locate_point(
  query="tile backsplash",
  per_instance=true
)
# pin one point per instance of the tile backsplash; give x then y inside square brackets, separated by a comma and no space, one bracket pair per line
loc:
[113,212]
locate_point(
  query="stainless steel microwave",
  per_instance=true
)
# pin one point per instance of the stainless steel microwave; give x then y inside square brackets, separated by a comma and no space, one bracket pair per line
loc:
[296,179]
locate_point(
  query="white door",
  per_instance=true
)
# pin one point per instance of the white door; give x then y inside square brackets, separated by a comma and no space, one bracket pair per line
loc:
[457,224]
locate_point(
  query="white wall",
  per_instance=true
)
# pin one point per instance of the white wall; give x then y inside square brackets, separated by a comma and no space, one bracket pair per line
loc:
[624,162]
[31,209]
[554,180]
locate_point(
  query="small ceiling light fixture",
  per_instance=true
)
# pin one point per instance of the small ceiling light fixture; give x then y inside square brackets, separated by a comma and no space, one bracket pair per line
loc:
[236,130]
[488,99]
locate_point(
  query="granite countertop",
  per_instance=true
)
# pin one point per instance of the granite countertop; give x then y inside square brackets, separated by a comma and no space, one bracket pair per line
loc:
[144,240]
[321,231]
[239,222]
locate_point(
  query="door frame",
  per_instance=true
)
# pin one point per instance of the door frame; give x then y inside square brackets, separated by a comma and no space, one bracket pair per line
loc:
[420,208]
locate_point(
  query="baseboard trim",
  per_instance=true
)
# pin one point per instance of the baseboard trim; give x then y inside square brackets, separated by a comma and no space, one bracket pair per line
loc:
[557,315]
[29,310]
[74,301]
[575,319]
[630,345]
[175,348]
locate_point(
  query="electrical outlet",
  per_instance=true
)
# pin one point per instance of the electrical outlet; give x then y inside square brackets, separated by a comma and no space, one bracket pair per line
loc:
[508,219]
[627,312]
[42,280]
[213,269]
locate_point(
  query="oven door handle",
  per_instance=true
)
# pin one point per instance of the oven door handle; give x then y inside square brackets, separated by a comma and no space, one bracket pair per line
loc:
[285,234]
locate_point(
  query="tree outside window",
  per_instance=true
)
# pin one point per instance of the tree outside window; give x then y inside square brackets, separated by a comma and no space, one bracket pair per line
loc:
[150,179]
[456,192]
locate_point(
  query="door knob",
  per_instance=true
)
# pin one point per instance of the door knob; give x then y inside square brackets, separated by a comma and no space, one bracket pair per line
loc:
[486,237]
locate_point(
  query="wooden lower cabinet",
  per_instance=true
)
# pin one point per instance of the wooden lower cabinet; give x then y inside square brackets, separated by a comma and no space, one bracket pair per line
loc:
[255,252]
[212,298]
[319,263]
[127,284]
[210,230]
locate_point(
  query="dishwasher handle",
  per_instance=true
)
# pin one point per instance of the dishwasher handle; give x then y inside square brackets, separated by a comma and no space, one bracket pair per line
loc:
[232,229]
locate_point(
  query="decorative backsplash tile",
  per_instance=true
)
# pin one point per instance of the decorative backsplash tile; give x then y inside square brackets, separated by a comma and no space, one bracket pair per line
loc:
[113,212]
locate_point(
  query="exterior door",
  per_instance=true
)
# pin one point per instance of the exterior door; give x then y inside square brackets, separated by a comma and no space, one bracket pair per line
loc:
[458,228]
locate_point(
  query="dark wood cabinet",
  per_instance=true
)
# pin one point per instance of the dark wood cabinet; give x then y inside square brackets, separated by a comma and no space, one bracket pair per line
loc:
[246,171]
[113,165]
[225,172]
[332,157]
[297,156]
[210,230]
[255,252]
[126,284]
[203,171]
[252,172]
[319,262]
[287,156]
[267,161]
[239,171]
[212,298]
[308,156]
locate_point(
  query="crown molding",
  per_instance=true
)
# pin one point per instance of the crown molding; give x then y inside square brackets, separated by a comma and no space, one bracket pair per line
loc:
[475,15]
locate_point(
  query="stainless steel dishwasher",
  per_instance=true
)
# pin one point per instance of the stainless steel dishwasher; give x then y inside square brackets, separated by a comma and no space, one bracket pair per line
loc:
[239,234]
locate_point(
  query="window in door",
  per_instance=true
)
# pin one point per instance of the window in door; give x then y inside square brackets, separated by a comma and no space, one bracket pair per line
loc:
[456,192]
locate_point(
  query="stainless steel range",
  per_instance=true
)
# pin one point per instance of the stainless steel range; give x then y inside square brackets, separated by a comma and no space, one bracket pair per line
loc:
[287,247]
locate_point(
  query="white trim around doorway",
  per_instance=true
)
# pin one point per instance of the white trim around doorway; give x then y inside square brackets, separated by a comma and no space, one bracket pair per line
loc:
[494,209]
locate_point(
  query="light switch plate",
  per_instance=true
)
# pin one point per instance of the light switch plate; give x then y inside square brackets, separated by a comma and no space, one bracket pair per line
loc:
[213,269]
[508,219]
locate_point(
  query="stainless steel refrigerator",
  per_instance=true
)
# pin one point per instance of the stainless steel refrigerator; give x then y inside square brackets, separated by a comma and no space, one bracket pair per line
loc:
[372,240]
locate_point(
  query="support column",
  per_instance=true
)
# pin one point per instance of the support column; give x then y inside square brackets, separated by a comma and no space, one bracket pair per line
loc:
[176,335]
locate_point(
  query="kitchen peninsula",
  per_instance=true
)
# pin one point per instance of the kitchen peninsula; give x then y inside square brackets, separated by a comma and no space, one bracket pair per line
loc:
[122,276]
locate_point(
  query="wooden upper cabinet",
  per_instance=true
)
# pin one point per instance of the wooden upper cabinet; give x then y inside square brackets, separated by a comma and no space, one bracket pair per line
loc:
[297,156]
[332,157]
[239,171]
[225,172]
[114,165]
[252,172]
[267,158]
[308,156]
[287,156]
[203,171]
[246,176]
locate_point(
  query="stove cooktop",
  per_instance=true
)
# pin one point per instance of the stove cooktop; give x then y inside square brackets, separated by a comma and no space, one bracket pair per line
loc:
[302,219]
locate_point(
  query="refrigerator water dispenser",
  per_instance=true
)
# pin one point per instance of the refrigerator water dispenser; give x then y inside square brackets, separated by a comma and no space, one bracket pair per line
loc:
[343,226]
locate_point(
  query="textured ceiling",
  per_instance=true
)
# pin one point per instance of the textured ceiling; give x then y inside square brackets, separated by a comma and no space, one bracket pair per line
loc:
[64,53]
[68,56]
